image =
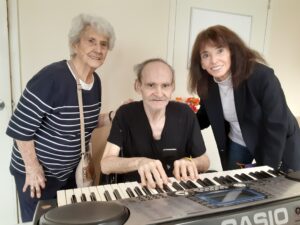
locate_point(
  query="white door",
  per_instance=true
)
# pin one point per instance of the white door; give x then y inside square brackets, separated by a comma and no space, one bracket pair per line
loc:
[8,212]
[248,18]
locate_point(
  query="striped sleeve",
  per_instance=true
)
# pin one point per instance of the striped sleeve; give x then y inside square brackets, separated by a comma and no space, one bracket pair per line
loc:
[32,107]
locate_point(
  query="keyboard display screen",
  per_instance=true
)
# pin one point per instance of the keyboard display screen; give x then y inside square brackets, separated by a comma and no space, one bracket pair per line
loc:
[229,197]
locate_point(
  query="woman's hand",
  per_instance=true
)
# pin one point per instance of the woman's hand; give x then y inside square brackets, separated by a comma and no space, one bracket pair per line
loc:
[185,169]
[35,180]
[152,173]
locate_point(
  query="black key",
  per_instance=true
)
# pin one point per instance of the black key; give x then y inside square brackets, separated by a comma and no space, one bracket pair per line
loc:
[226,180]
[73,199]
[166,188]
[107,196]
[208,181]
[117,194]
[191,184]
[266,174]
[159,190]
[130,192]
[93,197]
[232,180]
[219,180]
[241,178]
[247,177]
[147,191]
[184,185]
[83,197]
[177,186]
[256,175]
[273,172]
[203,184]
[262,174]
[138,191]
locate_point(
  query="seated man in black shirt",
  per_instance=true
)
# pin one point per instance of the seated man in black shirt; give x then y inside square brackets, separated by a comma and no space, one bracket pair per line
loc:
[155,138]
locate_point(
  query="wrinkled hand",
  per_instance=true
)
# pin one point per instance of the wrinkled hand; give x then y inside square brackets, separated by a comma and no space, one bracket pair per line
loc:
[35,180]
[152,173]
[185,169]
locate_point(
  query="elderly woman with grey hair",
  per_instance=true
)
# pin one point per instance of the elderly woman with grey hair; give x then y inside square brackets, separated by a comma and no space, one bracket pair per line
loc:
[45,125]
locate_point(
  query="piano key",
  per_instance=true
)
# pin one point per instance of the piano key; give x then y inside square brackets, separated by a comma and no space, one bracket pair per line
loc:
[177,186]
[130,188]
[61,198]
[166,188]
[118,191]
[73,199]
[220,180]
[69,193]
[93,197]
[117,194]
[209,182]
[94,190]
[107,196]
[159,190]
[108,188]
[77,193]
[267,175]
[201,183]
[153,191]
[191,184]
[86,192]
[138,191]
[185,185]
[101,191]
[122,188]
[147,191]
[228,177]
[130,192]
[83,198]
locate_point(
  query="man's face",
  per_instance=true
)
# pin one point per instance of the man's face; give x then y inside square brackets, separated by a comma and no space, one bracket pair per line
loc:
[156,86]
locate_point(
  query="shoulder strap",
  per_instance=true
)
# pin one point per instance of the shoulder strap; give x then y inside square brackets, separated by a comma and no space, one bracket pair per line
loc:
[79,95]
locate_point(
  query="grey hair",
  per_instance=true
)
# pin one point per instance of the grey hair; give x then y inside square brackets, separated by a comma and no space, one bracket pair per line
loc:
[101,25]
[140,67]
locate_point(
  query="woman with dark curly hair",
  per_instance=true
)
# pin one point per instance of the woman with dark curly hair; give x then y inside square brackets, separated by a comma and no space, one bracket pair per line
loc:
[242,100]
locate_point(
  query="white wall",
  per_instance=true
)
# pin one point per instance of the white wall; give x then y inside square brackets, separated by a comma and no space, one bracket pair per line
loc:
[141,28]
[283,48]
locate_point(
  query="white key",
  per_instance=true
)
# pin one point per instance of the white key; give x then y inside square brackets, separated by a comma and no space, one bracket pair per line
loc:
[77,193]
[153,191]
[61,198]
[101,191]
[122,188]
[69,193]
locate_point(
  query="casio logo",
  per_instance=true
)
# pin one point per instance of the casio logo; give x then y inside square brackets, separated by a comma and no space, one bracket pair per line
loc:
[271,217]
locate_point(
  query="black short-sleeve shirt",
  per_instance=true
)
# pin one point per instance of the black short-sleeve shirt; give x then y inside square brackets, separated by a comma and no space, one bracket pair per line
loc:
[181,135]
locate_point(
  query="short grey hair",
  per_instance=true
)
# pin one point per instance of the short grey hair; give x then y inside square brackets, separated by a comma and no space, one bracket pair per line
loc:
[82,21]
[140,67]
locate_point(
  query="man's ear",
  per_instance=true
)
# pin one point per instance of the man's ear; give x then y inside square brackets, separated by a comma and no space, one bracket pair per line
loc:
[137,86]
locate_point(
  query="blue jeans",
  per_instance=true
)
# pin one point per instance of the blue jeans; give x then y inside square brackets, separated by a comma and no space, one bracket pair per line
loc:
[237,154]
